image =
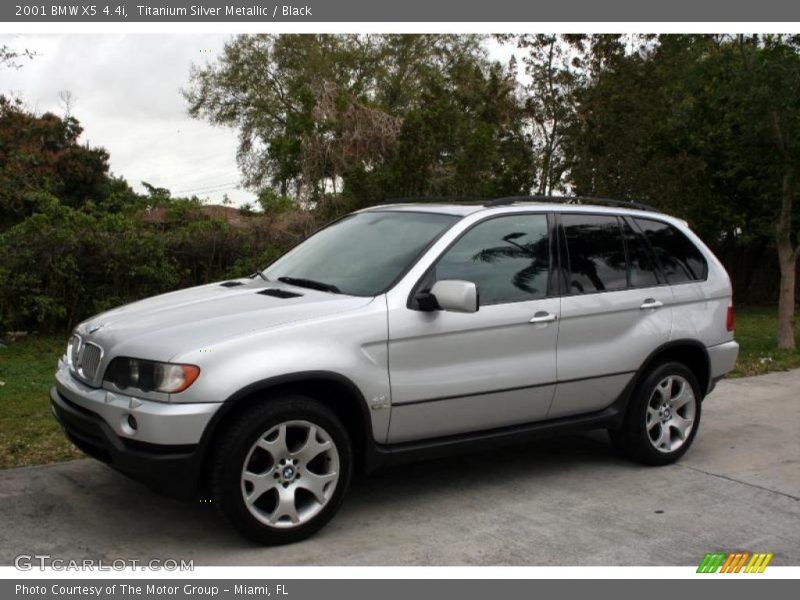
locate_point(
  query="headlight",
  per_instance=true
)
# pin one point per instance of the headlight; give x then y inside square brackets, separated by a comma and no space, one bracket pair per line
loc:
[150,376]
[73,345]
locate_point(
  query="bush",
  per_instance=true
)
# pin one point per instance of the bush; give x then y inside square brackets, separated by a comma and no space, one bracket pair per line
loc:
[62,264]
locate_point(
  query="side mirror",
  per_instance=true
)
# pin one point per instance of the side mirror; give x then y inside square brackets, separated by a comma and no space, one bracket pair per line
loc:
[455,295]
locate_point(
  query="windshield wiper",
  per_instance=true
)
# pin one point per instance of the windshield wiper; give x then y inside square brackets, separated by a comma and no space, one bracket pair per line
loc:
[259,274]
[310,283]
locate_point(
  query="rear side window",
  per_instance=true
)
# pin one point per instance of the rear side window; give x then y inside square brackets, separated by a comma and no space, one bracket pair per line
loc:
[595,260]
[641,263]
[680,259]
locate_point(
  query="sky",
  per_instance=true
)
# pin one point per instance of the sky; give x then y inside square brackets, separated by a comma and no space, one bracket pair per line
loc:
[125,92]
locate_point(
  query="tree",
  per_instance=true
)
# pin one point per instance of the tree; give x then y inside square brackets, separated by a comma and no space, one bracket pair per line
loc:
[557,69]
[548,103]
[11,58]
[768,74]
[633,135]
[318,114]
[465,138]
[41,154]
[705,127]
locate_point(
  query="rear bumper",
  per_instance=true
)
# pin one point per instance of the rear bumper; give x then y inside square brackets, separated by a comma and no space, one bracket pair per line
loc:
[722,359]
[173,470]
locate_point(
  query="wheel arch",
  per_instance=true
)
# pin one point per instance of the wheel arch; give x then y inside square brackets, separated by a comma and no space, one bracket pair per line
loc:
[691,353]
[333,390]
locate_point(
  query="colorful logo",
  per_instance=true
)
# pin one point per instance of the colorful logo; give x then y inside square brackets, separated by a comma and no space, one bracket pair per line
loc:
[734,562]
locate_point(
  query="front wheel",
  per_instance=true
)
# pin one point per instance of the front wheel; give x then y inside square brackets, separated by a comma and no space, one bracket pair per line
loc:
[663,416]
[282,470]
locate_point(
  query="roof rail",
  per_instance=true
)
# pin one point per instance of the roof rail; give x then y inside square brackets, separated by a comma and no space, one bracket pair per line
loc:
[437,199]
[508,200]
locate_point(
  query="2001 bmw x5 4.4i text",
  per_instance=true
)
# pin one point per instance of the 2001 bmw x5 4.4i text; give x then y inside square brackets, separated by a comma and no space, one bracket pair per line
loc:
[401,332]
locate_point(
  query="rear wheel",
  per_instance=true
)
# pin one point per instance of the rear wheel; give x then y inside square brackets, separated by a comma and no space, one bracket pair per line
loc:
[663,416]
[282,469]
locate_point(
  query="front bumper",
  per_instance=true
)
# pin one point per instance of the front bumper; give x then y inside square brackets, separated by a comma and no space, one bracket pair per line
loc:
[163,423]
[173,470]
[165,451]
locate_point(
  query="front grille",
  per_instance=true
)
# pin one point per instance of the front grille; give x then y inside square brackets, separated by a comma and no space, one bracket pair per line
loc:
[89,360]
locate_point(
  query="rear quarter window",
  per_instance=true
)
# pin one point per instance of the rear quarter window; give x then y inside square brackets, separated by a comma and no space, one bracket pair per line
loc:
[679,258]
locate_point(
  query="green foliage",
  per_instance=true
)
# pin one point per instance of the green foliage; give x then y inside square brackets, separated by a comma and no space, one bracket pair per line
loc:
[463,142]
[758,349]
[62,264]
[704,127]
[272,203]
[379,115]
[687,124]
[29,435]
[41,154]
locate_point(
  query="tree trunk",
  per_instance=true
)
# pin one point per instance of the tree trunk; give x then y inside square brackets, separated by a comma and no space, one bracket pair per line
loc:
[787,259]
[786,298]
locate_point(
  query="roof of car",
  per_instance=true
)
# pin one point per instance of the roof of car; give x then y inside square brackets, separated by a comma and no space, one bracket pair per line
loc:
[468,206]
[443,208]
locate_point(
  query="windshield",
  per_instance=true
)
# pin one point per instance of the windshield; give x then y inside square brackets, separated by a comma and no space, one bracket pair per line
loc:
[362,254]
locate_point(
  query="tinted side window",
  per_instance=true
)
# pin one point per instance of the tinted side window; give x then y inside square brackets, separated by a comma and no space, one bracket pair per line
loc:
[641,263]
[680,259]
[507,257]
[595,259]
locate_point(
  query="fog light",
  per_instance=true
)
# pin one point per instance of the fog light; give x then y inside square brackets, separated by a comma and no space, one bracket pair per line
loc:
[128,424]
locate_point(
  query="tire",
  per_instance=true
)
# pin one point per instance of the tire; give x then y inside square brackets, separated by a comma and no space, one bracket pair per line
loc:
[255,491]
[663,416]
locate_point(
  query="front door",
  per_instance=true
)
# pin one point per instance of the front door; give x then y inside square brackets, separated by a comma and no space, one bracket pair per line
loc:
[459,372]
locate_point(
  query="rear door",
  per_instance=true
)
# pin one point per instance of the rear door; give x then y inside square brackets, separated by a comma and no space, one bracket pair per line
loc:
[453,372]
[615,310]
[694,313]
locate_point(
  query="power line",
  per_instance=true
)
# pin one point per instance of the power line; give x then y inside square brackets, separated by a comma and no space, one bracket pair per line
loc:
[213,188]
[189,185]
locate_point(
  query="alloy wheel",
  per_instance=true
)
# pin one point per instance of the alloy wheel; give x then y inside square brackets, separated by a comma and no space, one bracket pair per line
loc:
[671,413]
[290,474]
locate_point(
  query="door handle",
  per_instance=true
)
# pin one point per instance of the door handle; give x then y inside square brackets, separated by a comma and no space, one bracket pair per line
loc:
[543,317]
[651,303]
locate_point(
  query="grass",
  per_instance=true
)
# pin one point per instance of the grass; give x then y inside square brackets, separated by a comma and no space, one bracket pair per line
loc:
[756,332]
[29,435]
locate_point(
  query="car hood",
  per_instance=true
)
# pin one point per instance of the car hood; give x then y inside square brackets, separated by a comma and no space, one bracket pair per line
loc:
[160,327]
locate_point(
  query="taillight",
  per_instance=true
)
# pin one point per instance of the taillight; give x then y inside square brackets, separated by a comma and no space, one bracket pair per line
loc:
[729,319]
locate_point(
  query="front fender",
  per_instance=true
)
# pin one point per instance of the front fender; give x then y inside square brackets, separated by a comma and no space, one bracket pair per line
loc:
[351,347]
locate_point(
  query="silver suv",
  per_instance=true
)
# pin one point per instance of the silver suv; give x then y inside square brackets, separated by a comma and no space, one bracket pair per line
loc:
[403,332]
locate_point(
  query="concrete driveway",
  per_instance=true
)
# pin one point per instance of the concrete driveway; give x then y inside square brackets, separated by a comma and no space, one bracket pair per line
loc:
[567,501]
